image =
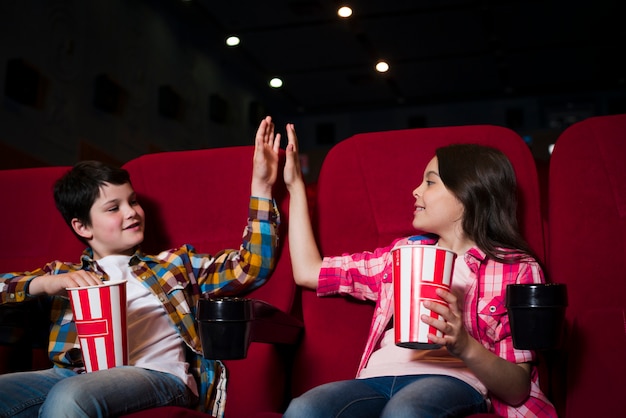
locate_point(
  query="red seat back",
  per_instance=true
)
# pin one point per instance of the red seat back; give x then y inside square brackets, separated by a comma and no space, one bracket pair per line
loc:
[587,251]
[33,231]
[33,234]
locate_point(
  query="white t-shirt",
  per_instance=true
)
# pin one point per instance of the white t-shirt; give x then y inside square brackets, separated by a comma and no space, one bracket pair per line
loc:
[391,360]
[153,343]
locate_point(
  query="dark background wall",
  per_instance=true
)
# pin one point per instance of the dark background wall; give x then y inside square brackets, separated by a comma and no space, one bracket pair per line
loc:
[114,79]
[110,79]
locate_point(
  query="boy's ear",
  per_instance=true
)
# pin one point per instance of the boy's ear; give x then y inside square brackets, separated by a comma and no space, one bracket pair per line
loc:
[81,229]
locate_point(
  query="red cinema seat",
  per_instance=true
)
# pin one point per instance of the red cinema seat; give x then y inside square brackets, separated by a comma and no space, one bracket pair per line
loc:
[33,234]
[587,252]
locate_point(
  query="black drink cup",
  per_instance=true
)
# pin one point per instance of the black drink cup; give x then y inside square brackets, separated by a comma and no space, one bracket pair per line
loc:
[537,315]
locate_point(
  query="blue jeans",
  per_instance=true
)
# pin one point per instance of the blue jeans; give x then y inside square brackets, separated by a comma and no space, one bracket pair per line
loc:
[61,392]
[389,397]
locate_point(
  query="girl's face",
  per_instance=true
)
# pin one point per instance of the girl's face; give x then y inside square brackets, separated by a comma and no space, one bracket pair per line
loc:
[117,222]
[437,210]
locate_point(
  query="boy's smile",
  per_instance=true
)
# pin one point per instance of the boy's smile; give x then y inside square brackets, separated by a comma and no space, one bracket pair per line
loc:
[117,222]
[135,225]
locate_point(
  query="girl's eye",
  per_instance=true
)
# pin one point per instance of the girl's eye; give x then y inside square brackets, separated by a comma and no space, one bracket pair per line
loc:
[112,209]
[429,182]
[134,202]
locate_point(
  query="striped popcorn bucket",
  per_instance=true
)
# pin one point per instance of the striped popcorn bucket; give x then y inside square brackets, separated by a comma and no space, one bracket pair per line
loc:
[418,271]
[100,316]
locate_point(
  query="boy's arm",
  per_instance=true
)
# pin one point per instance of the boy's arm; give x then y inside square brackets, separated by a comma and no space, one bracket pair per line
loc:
[230,272]
[58,283]
[261,237]
[51,280]
[234,271]
[305,256]
[14,286]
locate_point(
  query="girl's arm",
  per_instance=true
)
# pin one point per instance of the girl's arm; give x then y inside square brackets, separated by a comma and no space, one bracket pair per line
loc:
[509,381]
[305,256]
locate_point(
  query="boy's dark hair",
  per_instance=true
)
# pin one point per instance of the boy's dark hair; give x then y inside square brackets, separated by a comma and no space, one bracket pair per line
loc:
[77,190]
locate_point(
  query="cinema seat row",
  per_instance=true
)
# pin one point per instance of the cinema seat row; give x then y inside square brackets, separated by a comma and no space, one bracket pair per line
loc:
[362,201]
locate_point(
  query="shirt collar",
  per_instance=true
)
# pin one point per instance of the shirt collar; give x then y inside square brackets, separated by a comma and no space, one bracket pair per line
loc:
[89,263]
[474,257]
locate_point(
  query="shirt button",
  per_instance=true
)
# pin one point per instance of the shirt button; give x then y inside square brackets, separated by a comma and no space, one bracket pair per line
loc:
[492,309]
[385,275]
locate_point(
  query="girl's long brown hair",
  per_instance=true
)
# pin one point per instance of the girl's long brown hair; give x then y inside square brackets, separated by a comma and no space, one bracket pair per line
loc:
[483,180]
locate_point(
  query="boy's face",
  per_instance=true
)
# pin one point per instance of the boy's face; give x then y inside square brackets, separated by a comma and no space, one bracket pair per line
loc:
[117,222]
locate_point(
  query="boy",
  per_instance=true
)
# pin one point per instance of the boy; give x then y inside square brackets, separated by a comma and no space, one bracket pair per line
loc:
[165,354]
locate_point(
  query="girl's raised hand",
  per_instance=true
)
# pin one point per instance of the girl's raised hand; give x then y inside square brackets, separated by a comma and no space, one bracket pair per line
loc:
[293,172]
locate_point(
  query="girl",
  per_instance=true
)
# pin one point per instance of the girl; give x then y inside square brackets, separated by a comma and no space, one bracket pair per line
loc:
[467,202]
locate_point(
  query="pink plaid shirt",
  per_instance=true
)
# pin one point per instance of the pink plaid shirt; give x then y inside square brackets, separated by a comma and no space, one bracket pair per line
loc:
[367,276]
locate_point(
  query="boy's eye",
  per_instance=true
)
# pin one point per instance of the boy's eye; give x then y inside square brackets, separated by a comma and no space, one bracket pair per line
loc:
[429,182]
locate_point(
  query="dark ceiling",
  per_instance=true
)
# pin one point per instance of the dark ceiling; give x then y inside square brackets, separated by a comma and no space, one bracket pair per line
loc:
[438,50]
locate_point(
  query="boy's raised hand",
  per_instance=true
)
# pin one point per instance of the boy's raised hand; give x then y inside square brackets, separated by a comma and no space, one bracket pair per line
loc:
[265,161]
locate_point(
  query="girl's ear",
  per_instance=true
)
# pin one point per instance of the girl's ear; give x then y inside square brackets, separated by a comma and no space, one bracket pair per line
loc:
[81,229]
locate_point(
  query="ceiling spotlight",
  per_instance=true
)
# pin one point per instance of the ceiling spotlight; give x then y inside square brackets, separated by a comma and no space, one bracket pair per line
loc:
[382,67]
[276,83]
[233,41]
[344,11]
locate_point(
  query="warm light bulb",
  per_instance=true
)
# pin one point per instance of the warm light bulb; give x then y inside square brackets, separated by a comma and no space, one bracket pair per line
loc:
[382,67]
[233,41]
[276,82]
[344,11]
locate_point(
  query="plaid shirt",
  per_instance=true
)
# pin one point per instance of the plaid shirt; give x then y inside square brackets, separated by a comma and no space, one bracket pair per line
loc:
[178,278]
[367,276]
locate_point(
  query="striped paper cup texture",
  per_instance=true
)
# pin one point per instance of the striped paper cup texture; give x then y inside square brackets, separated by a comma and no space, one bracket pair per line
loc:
[418,271]
[100,316]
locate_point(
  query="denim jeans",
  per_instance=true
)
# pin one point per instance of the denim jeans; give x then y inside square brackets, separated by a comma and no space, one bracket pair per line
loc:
[389,397]
[61,392]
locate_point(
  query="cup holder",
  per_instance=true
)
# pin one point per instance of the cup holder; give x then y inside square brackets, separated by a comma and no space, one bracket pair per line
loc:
[227,326]
[536,314]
